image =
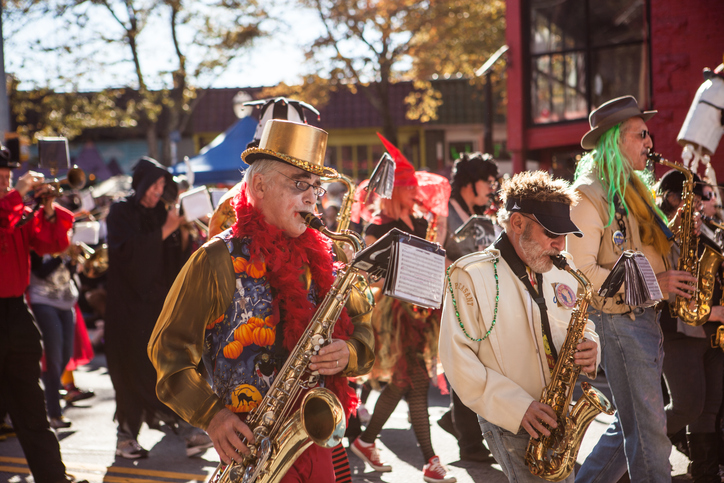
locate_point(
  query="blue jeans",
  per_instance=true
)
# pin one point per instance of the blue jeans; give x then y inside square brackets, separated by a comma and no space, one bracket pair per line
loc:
[509,451]
[58,329]
[632,357]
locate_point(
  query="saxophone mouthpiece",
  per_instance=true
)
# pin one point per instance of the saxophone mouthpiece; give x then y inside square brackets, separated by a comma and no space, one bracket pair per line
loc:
[311,220]
[654,157]
[559,261]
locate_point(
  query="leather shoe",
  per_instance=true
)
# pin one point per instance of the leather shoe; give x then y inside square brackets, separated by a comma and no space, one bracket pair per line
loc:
[59,423]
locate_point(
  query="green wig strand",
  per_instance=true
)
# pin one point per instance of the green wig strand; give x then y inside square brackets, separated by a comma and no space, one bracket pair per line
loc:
[614,171]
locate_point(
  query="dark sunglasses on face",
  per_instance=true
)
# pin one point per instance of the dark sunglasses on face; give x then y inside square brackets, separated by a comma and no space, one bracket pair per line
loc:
[546,232]
[644,134]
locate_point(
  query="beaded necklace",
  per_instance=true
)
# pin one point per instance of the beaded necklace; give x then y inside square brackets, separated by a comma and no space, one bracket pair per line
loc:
[495,313]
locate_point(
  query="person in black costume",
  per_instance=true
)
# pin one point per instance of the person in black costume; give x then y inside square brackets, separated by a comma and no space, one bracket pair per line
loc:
[145,254]
[693,370]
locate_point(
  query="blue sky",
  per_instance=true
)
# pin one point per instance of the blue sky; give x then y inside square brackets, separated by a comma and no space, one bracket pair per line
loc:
[272,59]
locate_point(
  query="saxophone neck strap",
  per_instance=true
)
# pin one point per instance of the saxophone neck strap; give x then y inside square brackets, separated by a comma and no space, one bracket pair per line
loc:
[507,251]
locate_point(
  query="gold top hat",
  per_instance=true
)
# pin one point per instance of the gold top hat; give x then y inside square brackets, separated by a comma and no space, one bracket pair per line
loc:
[298,144]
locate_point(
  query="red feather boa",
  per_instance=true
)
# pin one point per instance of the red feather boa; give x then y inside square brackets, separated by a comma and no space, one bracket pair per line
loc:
[286,261]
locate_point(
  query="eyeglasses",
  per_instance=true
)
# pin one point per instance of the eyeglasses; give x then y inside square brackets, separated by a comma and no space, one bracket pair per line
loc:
[546,231]
[304,186]
[643,134]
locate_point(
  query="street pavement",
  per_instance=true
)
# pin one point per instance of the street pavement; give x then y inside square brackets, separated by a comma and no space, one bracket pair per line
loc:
[88,447]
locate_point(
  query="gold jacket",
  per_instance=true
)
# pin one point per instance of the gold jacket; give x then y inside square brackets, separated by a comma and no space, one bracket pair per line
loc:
[201,294]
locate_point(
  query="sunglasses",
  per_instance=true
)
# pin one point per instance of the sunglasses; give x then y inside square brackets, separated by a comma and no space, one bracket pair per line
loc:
[644,134]
[546,231]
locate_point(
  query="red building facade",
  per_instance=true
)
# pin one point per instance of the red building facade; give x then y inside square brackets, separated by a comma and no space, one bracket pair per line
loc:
[568,57]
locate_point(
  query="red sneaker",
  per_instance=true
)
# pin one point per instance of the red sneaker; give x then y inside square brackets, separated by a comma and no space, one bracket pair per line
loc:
[370,455]
[434,472]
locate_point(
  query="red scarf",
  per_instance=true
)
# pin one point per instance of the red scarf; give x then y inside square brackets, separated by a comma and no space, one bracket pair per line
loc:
[286,260]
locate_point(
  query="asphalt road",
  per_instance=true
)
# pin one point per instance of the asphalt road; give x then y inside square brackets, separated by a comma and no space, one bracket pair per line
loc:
[88,447]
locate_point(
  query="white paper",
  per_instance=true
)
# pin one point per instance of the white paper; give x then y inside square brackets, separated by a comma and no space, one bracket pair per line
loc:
[420,275]
[87,232]
[196,203]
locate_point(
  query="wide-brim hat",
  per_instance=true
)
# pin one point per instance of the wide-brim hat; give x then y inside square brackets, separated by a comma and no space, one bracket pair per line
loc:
[552,215]
[609,114]
[298,144]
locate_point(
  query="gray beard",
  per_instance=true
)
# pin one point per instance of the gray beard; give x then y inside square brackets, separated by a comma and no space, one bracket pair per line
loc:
[538,258]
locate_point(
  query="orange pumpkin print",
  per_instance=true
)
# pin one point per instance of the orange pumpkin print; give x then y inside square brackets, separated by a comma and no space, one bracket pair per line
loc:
[244,334]
[240,264]
[264,336]
[256,269]
[233,349]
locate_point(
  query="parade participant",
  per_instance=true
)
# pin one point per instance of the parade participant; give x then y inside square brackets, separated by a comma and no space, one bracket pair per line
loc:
[617,212]
[20,342]
[244,299]
[144,256]
[479,332]
[693,369]
[53,295]
[274,108]
[474,184]
[406,335]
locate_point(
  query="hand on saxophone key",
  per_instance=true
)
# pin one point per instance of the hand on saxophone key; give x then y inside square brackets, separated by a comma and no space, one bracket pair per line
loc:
[676,282]
[537,417]
[586,355]
[331,359]
[226,431]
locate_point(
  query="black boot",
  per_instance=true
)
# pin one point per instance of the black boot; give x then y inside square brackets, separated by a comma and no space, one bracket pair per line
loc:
[704,451]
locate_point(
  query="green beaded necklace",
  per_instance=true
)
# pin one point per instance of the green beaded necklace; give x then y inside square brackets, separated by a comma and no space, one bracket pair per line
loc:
[495,313]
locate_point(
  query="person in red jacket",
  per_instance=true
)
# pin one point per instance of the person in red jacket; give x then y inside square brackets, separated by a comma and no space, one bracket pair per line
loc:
[43,231]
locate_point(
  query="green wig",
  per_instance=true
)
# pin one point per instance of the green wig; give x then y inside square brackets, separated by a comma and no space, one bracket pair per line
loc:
[614,172]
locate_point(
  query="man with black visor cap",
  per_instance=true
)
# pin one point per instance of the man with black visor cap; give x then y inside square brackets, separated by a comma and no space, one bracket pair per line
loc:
[498,355]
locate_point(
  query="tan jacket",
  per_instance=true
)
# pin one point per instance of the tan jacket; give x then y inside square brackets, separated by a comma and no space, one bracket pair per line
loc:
[501,376]
[596,253]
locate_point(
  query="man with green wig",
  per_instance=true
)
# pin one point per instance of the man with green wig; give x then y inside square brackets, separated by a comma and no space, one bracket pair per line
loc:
[617,212]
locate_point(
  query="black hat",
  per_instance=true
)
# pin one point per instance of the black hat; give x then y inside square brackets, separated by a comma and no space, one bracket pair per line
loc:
[673,182]
[554,216]
[609,114]
[5,159]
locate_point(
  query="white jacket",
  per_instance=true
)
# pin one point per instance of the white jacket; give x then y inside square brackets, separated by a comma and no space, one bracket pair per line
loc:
[499,377]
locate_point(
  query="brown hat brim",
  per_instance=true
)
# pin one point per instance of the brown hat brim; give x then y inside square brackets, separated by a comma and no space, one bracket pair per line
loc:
[251,155]
[590,139]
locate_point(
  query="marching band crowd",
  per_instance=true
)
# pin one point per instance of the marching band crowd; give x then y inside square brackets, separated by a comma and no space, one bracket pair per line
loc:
[204,337]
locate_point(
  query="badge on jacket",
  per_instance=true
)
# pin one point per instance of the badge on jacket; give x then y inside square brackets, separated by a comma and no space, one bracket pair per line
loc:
[565,295]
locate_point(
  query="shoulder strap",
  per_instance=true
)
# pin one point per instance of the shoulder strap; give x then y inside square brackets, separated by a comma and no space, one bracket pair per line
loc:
[518,267]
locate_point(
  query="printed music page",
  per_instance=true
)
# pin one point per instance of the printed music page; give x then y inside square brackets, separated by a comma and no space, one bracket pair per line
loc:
[419,276]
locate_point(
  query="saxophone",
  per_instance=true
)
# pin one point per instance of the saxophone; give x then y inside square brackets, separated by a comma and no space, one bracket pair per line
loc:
[553,457]
[694,311]
[280,435]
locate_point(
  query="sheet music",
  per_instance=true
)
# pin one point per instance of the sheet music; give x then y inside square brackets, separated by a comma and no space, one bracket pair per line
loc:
[419,277]
[649,277]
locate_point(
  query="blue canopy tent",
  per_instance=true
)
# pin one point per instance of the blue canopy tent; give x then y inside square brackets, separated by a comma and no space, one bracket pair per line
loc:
[220,160]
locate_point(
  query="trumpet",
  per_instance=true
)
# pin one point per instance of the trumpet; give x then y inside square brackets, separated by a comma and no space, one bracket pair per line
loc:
[75,178]
[93,261]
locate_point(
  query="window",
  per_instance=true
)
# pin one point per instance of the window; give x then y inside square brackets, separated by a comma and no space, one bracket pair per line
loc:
[584,53]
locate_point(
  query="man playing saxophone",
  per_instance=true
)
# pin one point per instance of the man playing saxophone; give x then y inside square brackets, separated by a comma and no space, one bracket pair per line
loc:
[498,353]
[693,369]
[617,212]
[241,303]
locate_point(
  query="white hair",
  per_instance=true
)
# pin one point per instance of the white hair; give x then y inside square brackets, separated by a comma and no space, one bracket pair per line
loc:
[260,166]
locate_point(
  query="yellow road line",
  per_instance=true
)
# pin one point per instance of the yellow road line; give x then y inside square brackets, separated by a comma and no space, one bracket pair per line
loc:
[100,470]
